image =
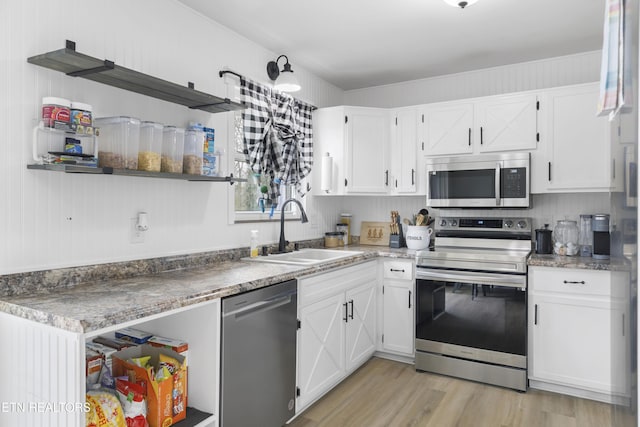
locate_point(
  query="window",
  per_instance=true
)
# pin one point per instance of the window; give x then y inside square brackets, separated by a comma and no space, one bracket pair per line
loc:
[250,203]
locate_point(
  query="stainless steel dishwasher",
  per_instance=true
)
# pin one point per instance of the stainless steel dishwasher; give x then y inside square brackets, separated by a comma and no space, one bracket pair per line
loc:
[258,365]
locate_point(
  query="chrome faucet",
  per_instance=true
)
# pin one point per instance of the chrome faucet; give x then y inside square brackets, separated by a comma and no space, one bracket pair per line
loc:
[282,245]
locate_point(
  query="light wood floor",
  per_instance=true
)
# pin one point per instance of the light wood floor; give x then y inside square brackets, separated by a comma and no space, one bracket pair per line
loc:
[388,393]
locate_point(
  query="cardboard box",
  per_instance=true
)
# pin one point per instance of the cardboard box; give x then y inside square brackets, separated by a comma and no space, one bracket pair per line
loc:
[105,351]
[164,407]
[116,343]
[173,344]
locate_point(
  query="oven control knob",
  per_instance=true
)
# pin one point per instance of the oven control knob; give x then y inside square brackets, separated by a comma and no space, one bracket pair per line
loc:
[443,223]
[508,223]
[453,223]
[522,224]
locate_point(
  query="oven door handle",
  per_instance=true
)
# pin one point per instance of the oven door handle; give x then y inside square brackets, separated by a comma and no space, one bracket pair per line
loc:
[474,277]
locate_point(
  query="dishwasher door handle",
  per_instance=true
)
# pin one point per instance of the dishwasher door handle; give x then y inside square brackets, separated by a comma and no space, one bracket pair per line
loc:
[259,307]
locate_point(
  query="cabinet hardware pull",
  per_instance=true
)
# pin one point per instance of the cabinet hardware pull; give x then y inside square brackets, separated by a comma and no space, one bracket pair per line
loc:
[351,303]
[549,171]
[481,141]
[623,325]
[386,177]
[396,183]
[346,313]
[345,182]
[535,314]
[581,282]
[413,177]
[409,299]
[613,169]
[395,270]
[469,137]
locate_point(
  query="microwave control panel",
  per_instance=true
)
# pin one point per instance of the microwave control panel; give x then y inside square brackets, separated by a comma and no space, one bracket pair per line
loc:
[513,182]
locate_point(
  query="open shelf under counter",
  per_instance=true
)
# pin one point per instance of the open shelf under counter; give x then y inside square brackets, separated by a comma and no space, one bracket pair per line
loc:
[68,168]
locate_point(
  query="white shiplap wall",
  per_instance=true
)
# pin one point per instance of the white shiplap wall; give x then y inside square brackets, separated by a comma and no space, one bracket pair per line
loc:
[551,72]
[50,220]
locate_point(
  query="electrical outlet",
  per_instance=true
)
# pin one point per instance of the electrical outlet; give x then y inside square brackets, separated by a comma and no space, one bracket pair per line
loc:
[135,235]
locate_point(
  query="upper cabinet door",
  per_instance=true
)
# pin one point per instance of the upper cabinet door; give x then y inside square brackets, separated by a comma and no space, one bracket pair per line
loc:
[579,153]
[404,137]
[507,123]
[447,129]
[367,169]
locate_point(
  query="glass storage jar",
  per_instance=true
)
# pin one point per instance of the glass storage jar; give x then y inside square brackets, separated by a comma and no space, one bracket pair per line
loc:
[565,238]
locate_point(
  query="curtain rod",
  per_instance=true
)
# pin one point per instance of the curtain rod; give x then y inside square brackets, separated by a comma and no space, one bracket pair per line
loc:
[221,73]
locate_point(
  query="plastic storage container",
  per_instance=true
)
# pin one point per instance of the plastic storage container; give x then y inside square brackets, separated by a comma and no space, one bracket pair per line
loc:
[150,148]
[194,141]
[565,236]
[56,113]
[81,118]
[118,142]
[172,149]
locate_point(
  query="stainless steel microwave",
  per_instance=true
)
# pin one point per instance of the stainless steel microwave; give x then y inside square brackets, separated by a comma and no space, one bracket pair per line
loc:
[479,181]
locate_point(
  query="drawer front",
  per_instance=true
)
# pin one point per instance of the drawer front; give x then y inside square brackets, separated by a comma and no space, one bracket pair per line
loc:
[324,285]
[570,281]
[402,270]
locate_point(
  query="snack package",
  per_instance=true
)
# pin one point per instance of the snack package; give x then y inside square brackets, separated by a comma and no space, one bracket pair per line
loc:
[106,380]
[104,410]
[134,335]
[134,406]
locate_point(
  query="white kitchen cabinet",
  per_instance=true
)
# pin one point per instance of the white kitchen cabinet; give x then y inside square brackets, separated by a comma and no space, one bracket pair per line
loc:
[337,328]
[447,128]
[577,321]
[481,125]
[576,143]
[357,138]
[507,123]
[51,363]
[403,150]
[398,300]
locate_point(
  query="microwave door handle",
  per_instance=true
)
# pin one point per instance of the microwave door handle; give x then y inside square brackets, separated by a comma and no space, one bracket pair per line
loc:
[498,184]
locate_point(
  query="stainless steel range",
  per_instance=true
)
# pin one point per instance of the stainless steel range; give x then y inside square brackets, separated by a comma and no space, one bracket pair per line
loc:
[471,301]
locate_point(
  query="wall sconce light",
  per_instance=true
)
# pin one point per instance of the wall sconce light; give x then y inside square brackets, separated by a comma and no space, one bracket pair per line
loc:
[284,80]
[459,3]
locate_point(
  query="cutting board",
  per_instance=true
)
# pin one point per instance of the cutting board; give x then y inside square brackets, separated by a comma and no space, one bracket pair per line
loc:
[374,233]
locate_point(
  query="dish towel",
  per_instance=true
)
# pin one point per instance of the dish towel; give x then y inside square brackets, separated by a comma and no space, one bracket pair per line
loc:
[612,69]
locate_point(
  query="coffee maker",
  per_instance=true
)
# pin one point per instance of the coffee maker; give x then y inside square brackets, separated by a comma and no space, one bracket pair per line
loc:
[601,236]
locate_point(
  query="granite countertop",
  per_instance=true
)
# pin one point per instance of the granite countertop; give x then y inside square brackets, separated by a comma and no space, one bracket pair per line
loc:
[88,307]
[586,263]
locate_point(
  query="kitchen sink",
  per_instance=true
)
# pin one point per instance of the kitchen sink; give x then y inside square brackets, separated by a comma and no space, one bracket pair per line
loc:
[306,256]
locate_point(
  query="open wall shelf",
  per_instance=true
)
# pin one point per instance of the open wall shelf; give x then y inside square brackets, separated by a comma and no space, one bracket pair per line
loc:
[76,64]
[130,172]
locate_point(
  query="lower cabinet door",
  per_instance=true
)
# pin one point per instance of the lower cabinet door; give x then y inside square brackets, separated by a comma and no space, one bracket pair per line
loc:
[361,325]
[571,342]
[321,360]
[397,317]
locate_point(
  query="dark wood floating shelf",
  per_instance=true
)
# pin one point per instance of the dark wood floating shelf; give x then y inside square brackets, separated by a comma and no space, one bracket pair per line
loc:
[130,172]
[76,64]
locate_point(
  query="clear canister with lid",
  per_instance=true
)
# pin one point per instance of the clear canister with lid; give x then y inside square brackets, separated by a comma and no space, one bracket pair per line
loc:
[345,218]
[344,229]
[565,238]
[118,142]
[193,150]
[172,149]
[150,148]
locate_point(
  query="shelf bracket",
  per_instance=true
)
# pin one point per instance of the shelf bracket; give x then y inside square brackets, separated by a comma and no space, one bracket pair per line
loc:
[107,65]
[225,101]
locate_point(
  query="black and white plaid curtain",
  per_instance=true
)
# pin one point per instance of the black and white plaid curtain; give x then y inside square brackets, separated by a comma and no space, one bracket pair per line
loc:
[278,136]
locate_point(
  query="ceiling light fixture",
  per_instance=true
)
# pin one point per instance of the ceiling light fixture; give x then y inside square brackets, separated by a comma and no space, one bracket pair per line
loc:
[284,79]
[459,3]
